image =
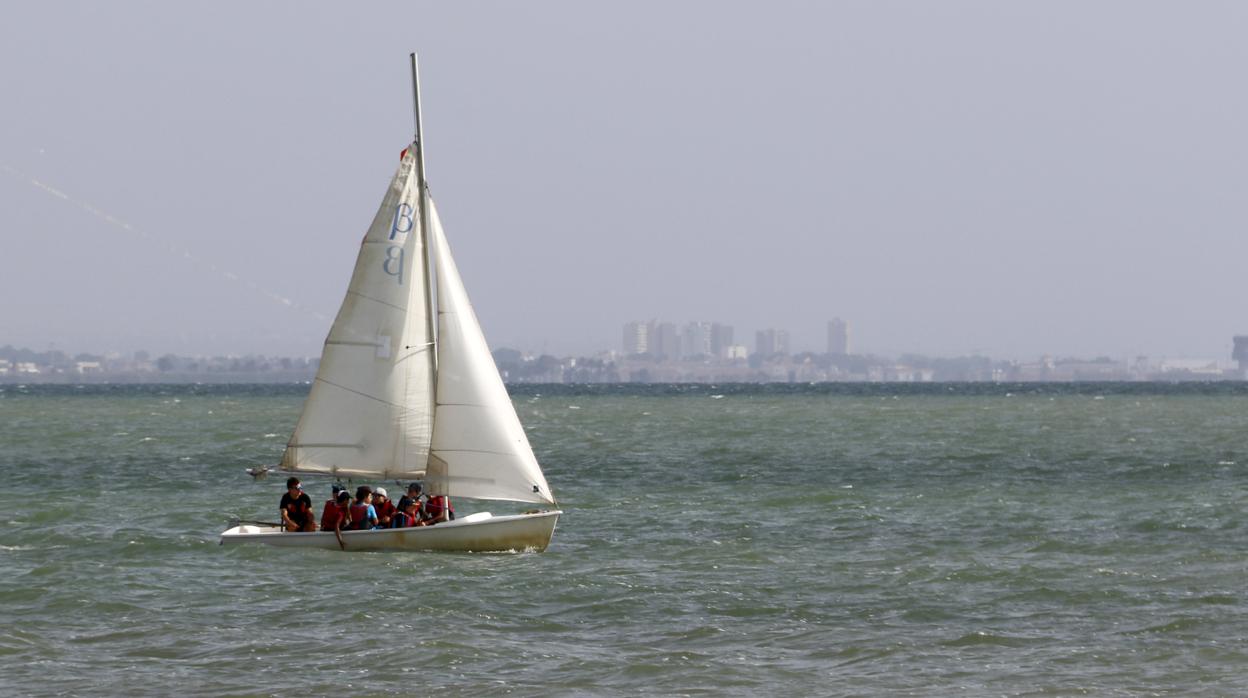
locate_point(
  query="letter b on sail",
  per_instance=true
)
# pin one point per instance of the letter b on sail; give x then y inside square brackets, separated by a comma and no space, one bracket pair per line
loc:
[393,264]
[403,219]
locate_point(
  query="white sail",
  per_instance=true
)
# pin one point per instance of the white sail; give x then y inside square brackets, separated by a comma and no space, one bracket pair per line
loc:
[479,449]
[370,410]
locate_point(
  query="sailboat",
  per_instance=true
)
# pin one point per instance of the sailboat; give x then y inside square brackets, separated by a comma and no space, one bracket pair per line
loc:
[407,390]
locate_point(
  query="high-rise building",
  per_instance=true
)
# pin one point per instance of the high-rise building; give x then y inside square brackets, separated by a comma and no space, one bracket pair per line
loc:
[665,341]
[721,339]
[636,337]
[771,341]
[1240,353]
[838,336]
[697,339]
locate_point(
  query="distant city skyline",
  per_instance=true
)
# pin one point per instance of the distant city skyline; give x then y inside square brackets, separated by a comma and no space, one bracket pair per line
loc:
[675,338]
[769,364]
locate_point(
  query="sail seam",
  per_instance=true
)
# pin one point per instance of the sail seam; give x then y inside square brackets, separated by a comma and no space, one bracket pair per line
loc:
[357,392]
[376,300]
[472,450]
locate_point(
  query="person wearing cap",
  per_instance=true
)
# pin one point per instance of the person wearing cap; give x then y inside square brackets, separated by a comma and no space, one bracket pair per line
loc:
[296,508]
[415,494]
[384,507]
[363,515]
[408,514]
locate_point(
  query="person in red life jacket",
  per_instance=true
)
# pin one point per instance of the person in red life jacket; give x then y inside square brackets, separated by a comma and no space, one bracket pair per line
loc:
[363,516]
[438,509]
[383,506]
[296,508]
[410,516]
[331,508]
[339,517]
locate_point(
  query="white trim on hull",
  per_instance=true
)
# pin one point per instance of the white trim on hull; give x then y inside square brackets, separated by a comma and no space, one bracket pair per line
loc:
[475,533]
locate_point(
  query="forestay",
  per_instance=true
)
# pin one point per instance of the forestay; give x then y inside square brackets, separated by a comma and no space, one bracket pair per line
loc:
[370,410]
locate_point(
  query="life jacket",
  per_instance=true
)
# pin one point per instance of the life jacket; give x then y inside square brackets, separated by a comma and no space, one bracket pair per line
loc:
[384,510]
[333,514]
[359,517]
[329,515]
[434,507]
[402,520]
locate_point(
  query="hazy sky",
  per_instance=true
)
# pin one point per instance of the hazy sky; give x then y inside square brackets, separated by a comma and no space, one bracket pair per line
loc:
[1009,178]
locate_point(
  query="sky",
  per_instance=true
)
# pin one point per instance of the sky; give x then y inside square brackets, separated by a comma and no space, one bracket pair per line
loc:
[1007,179]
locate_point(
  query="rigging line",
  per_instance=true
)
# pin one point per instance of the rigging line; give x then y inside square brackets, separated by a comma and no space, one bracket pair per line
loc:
[176,251]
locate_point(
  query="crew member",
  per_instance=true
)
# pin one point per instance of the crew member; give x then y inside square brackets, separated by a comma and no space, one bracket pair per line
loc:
[296,508]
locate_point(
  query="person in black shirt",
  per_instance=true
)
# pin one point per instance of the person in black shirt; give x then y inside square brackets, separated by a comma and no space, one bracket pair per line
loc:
[296,508]
[414,493]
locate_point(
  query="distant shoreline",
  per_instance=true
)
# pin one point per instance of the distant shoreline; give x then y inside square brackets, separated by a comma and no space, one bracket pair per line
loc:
[709,390]
[18,366]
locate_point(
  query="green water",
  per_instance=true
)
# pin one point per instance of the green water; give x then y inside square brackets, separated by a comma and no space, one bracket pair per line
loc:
[852,540]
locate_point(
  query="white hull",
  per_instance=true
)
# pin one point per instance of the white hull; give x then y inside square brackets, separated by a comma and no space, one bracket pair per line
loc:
[475,533]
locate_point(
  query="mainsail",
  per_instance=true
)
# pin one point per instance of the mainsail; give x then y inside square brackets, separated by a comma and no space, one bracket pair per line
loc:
[479,448]
[370,410]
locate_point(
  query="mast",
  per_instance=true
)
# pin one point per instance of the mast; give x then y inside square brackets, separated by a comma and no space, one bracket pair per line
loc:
[422,193]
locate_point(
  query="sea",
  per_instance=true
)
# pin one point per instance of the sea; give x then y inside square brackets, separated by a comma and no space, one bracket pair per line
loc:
[796,540]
